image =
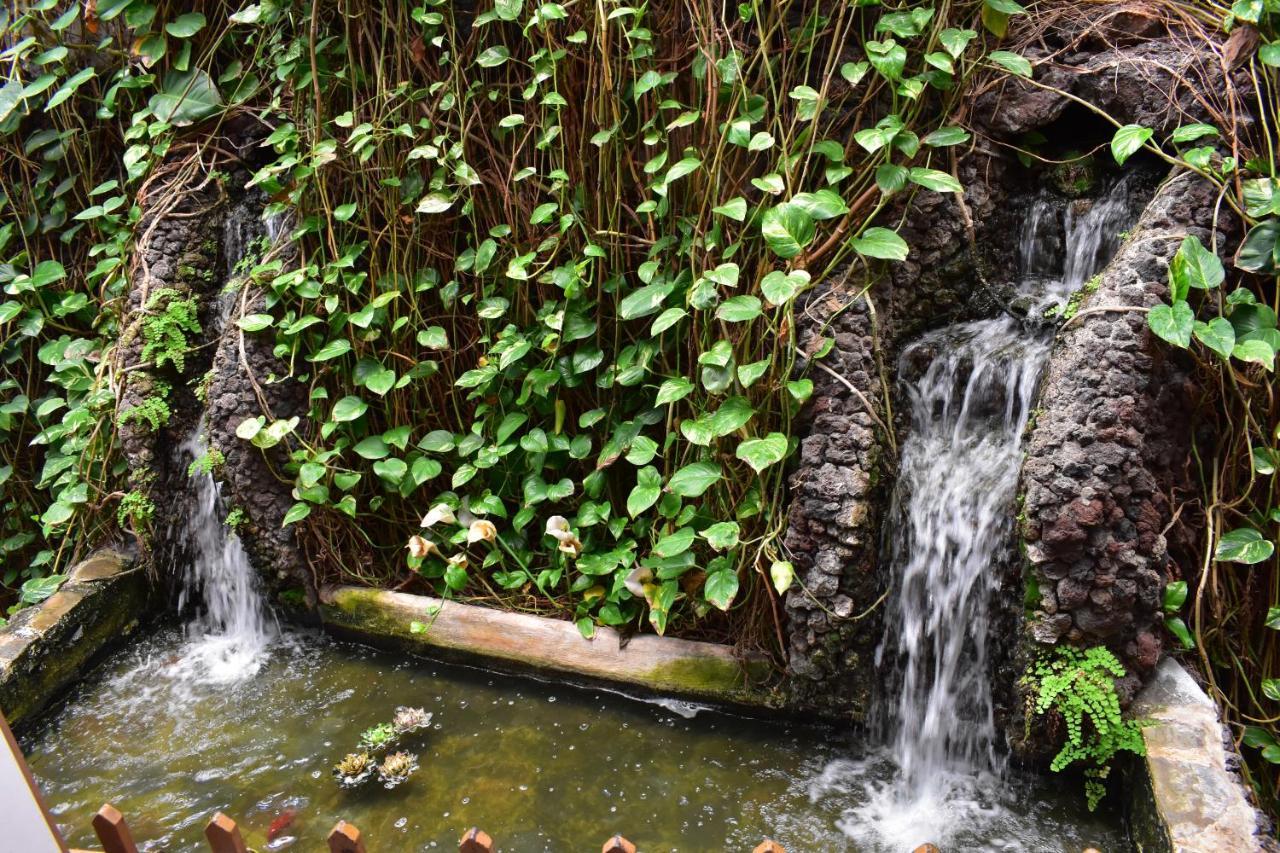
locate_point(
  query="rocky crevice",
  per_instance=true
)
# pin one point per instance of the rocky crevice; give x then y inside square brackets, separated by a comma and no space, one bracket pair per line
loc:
[200,237]
[248,379]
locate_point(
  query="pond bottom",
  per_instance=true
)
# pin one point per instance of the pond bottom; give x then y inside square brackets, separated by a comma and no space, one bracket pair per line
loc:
[538,766]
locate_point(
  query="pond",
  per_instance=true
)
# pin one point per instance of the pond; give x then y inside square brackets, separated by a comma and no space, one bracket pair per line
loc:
[539,766]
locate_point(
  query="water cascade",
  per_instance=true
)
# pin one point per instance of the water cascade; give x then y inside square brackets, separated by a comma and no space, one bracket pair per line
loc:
[970,389]
[232,628]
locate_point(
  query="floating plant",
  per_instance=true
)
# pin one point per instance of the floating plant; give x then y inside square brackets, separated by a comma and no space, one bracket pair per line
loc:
[408,720]
[378,737]
[354,769]
[396,768]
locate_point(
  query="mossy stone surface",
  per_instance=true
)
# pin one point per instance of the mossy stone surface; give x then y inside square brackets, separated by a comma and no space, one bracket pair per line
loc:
[45,648]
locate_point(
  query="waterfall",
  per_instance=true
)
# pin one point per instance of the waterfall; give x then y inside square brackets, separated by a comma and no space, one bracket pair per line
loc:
[970,389]
[232,628]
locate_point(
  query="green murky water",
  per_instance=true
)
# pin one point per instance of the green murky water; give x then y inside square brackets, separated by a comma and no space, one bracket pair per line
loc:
[539,766]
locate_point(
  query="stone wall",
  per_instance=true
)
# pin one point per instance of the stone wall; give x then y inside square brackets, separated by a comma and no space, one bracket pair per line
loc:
[248,380]
[178,252]
[47,647]
[1109,451]
[836,503]
[1186,793]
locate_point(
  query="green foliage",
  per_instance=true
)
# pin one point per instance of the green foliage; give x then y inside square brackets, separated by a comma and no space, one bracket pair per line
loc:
[136,510]
[170,319]
[378,737]
[236,519]
[207,462]
[548,263]
[152,411]
[1078,687]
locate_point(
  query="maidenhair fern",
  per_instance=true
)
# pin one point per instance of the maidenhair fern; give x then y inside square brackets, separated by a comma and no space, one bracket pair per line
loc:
[164,333]
[1079,686]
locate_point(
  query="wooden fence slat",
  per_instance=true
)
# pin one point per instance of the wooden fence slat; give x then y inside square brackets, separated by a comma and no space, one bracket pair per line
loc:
[110,827]
[769,846]
[618,844]
[345,838]
[927,848]
[224,835]
[475,841]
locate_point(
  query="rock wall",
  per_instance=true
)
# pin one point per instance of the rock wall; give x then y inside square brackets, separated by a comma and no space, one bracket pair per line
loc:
[199,235]
[1110,450]
[248,380]
[177,258]
[833,527]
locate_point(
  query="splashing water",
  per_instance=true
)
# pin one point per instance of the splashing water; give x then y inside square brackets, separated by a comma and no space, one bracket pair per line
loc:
[973,389]
[229,637]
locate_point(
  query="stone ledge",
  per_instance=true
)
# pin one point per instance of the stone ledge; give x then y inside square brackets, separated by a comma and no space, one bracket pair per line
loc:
[46,647]
[1185,798]
[464,631]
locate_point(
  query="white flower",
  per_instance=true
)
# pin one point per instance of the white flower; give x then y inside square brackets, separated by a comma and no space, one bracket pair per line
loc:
[481,530]
[459,560]
[558,526]
[638,580]
[437,514]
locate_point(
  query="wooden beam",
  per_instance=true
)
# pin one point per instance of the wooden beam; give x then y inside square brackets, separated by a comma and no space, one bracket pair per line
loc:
[667,664]
[769,846]
[345,838]
[224,835]
[110,827]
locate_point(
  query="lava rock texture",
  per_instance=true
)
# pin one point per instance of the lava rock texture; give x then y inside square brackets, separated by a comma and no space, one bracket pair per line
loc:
[247,381]
[1110,447]
[175,253]
[833,528]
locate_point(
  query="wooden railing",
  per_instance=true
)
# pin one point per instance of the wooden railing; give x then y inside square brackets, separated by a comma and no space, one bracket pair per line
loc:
[224,837]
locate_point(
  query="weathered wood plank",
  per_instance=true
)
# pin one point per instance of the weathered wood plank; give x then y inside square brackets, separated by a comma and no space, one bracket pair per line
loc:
[705,670]
[769,846]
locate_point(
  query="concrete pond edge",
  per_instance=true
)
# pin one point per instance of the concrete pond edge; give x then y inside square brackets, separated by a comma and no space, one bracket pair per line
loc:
[527,643]
[46,648]
[1186,795]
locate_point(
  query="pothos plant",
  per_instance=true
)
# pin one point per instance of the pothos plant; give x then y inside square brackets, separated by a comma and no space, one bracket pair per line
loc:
[550,261]
[548,258]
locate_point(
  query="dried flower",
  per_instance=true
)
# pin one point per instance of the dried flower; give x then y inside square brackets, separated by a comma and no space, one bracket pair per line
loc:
[459,560]
[353,769]
[396,767]
[437,514]
[420,547]
[481,530]
[409,720]
[571,546]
